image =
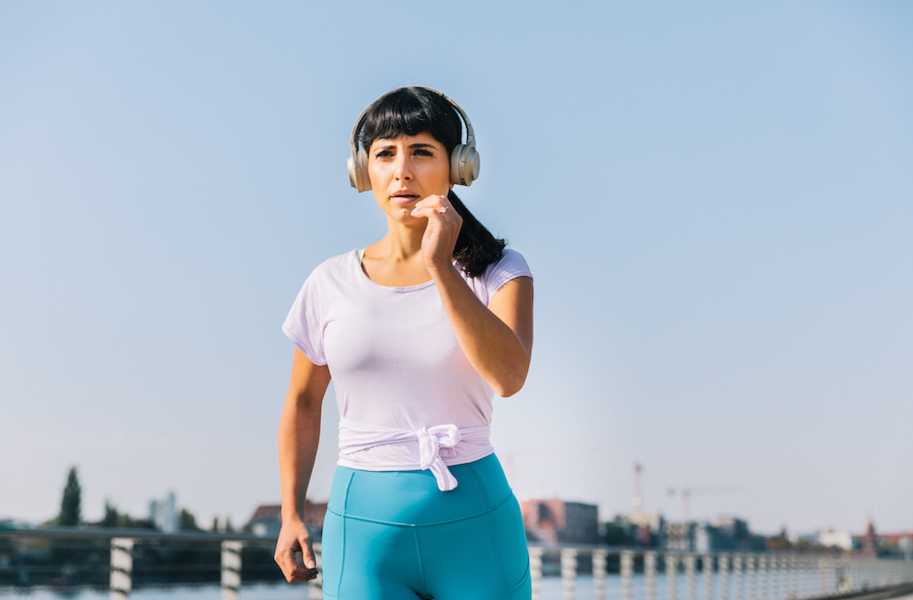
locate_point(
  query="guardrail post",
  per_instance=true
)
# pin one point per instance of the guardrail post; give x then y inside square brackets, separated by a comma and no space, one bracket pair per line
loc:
[816,567]
[707,567]
[568,572]
[773,577]
[851,576]
[535,569]
[671,563]
[750,575]
[599,573]
[121,578]
[737,576]
[231,569]
[627,574]
[689,577]
[650,574]
[784,576]
[860,574]
[761,577]
[793,575]
[723,563]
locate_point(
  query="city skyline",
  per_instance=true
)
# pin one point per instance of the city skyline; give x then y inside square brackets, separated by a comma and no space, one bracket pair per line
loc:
[168,502]
[714,202]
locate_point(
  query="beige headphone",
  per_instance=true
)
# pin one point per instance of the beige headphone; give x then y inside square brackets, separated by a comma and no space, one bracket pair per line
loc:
[464,160]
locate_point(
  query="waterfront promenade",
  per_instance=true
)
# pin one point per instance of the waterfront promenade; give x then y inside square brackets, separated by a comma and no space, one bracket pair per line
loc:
[119,564]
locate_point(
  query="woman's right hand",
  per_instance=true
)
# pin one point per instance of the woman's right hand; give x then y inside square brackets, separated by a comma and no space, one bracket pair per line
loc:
[294,539]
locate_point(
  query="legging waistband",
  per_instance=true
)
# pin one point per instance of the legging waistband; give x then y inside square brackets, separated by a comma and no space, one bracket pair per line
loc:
[412,497]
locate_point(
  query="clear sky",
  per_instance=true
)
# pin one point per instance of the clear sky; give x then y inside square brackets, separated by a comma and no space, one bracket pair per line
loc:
[716,203]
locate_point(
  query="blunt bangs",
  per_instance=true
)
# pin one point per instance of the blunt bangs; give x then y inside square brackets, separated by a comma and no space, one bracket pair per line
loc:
[410,111]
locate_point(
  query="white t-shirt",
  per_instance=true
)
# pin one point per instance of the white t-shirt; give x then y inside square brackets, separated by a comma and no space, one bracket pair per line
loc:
[396,364]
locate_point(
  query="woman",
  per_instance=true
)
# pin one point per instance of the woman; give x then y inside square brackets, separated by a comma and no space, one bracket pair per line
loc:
[420,329]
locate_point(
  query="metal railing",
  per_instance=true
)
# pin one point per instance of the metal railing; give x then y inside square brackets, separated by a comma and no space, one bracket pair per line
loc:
[654,575]
[619,573]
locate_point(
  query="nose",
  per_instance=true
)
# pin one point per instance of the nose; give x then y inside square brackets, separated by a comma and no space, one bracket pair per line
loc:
[402,168]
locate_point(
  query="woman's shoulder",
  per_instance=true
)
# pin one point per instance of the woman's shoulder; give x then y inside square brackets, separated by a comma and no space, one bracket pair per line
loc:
[512,254]
[511,260]
[329,268]
[336,261]
[511,264]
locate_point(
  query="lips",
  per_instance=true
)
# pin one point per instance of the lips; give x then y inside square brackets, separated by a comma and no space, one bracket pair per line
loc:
[404,198]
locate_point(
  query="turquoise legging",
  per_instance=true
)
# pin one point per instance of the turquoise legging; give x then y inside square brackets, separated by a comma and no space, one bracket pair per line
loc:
[393,535]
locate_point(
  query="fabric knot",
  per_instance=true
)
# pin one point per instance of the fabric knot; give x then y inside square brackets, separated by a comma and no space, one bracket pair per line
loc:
[430,442]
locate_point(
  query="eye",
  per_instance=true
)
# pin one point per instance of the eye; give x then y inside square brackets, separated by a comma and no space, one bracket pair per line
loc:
[383,153]
[423,152]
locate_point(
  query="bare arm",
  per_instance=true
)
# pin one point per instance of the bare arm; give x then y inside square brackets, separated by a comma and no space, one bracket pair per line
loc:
[298,438]
[497,339]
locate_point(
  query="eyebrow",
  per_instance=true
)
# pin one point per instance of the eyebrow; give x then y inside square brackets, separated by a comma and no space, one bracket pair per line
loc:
[415,145]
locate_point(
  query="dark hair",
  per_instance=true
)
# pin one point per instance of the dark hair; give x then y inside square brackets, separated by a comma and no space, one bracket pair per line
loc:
[413,110]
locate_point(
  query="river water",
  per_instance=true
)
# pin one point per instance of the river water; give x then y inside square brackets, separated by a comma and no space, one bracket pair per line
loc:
[771,587]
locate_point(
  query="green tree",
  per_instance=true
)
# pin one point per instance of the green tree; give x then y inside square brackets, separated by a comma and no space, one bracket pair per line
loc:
[71,503]
[186,521]
[615,534]
[112,517]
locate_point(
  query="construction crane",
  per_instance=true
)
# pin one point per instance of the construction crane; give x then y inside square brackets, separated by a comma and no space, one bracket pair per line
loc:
[638,500]
[686,492]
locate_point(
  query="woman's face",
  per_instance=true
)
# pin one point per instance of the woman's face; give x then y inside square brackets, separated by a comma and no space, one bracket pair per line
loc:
[406,169]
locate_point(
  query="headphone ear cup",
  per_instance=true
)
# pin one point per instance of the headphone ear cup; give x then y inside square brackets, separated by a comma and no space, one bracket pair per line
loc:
[350,168]
[464,165]
[358,171]
[361,171]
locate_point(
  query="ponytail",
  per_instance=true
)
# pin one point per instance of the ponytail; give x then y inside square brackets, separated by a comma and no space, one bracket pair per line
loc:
[476,247]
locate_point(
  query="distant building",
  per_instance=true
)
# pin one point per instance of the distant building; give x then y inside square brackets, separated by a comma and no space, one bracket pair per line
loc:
[733,527]
[680,537]
[559,522]
[164,514]
[706,538]
[870,539]
[7,524]
[871,543]
[644,519]
[267,519]
[728,533]
[647,528]
[833,538]
[895,539]
[905,545]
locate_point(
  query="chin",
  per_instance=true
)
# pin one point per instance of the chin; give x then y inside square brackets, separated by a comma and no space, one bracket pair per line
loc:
[404,216]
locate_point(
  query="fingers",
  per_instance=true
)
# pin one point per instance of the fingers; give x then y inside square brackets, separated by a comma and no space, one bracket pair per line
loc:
[307,554]
[432,200]
[427,211]
[293,569]
[439,203]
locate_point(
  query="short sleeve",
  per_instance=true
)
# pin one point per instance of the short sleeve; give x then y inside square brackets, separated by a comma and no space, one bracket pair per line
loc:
[303,325]
[511,265]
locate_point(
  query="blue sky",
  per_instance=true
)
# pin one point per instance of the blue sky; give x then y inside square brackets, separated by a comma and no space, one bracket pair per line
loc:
[715,202]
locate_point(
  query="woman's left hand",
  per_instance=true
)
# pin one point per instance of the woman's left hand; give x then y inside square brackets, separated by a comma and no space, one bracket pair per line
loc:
[441,232]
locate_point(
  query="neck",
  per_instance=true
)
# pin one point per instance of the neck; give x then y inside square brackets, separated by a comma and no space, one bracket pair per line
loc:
[402,244]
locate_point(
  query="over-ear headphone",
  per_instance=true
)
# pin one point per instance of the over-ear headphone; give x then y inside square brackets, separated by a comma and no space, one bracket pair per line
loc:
[464,159]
